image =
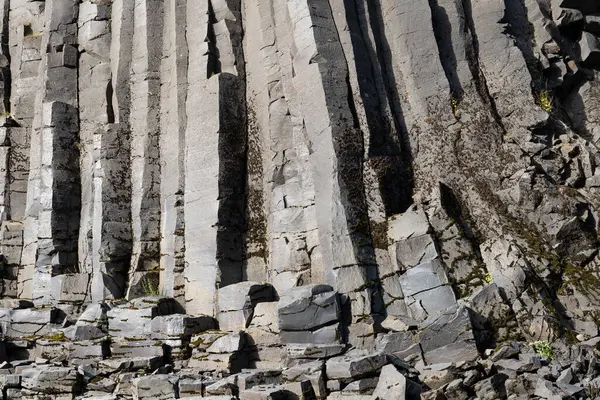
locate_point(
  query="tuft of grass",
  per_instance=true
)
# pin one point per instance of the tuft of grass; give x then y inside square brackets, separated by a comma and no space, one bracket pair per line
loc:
[592,391]
[150,288]
[544,100]
[543,349]
[488,278]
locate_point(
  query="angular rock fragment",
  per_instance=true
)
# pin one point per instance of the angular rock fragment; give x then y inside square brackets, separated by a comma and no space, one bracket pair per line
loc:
[355,365]
[161,387]
[393,385]
[53,381]
[177,325]
[448,338]
[590,49]
[307,307]
[237,301]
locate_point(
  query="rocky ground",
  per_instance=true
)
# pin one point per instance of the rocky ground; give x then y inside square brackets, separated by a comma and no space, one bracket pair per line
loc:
[293,348]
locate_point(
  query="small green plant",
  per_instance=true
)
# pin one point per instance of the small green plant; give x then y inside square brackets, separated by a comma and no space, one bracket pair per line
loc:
[150,288]
[487,278]
[56,337]
[455,103]
[543,349]
[545,100]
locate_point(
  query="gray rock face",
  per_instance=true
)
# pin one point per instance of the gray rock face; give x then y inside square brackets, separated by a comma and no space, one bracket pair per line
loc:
[194,187]
[309,314]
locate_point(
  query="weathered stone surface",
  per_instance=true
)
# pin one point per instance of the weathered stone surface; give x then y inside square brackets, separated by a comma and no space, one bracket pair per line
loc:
[353,366]
[228,344]
[181,325]
[163,387]
[53,381]
[448,338]
[237,301]
[314,350]
[307,307]
[134,319]
[28,322]
[391,385]
[313,371]
[590,49]
[326,335]
[306,177]
[426,289]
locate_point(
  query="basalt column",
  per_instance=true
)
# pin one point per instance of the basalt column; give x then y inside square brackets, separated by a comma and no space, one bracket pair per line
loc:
[215,153]
[26,24]
[145,155]
[174,69]
[54,194]
[320,82]
[105,235]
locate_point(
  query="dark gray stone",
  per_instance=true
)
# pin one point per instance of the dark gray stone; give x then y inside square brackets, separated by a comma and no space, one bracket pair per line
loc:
[585,6]
[590,49]
[307,307]
[355,365]
[327,335]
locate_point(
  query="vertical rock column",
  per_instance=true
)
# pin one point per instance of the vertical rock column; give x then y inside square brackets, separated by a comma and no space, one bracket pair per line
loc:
[56,204]
[341,213]
[105,233]
[174,70]
[294,251]
[25,38]
[4,109]
[145,131]
[257,98]
[94,81]
[387,166]
[215,153]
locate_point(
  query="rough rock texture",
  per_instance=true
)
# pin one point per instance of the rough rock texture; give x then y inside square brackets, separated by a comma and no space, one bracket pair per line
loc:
[299,198]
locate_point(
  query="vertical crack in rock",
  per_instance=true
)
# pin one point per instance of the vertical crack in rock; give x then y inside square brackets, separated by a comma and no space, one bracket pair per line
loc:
[472,53]
[442,30]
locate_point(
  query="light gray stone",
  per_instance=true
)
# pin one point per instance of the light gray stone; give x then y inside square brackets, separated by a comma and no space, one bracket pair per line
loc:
[391,385]
[181,325]
[327,335]
[163,387]
[312,351]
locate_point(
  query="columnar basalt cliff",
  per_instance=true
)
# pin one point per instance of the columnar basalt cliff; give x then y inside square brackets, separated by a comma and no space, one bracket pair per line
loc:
[331,192]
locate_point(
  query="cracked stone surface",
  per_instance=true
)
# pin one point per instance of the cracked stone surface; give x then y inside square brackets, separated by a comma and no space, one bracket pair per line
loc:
[191,190]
